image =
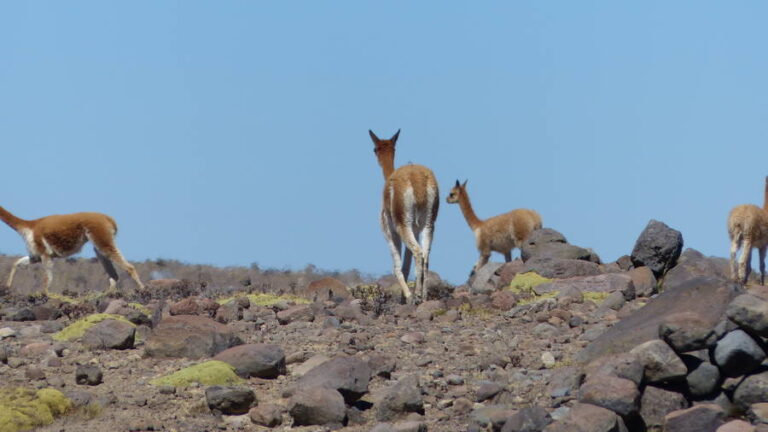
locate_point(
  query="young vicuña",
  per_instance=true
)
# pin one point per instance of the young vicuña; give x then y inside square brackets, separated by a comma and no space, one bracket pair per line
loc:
[410,204]
[747,229]
[500,233]
[59,236]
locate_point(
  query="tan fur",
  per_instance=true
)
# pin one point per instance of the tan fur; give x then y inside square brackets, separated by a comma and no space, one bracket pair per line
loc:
[747,229]
[409,208]
[500,233]
[59,236]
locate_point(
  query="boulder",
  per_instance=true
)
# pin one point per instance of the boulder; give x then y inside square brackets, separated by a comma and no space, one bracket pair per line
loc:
[656,403]
[296,313]
[348,375]
[693,264]
[588,418]
[604,283]
[402,398]
[110,334]
[255,360]
[616,394]
[528,419]
[750,312]
[706,297]
[88,375]
[753,389]
[687,331]
[657,248]
[643,280]
[700,418]
[267,415]
[317,406]
[556,268]
[194,306]
[703,379]
[490,417]
[190,336]
[230,400]
[623,365]
[660,362]
[485,280]
[738,354]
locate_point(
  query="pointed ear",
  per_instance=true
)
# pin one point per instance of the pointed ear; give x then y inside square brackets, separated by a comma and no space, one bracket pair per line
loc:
[463,186]
[373,136]
[457,183]
[394,137]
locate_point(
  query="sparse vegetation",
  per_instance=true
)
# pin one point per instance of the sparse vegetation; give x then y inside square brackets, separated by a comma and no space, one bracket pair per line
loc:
[78,328]
[24,409]
[209,373]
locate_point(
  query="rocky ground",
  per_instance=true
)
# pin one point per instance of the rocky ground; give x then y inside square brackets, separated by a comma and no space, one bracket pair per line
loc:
[659,340]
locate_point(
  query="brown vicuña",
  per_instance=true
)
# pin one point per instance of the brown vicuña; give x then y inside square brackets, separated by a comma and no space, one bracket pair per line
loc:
[59,236]
[500,233]
[747,229]
[410,204]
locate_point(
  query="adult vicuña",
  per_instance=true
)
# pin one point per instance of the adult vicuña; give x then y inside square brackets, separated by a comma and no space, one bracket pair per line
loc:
[748,228]
[500,233]
[59,236]
[409,209]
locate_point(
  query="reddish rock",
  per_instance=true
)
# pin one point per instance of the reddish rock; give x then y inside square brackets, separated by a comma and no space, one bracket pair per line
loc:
[503,300]
[616,394]
[37,350]
[194,306]
[588,418]
[701,418]
[643,280]
[326,289]
[296,313]
[189,336]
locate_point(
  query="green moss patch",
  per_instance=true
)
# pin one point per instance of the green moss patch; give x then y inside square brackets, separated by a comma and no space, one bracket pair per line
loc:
[263,299]
[23,409]
[77,329]
[533,298]
[595,296]
[212,372]
[141,308]
[524,283]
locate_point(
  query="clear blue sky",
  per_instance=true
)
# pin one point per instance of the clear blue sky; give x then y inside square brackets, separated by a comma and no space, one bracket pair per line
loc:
[236,132]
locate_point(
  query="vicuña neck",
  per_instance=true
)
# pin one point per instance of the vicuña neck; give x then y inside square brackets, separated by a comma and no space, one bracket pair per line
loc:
[12,221]
[387,162]
[469,214]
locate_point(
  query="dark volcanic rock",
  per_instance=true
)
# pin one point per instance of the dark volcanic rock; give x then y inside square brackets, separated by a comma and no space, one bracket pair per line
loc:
[693,264]
[624,365]
[88,375]
[660,362]
[561,268]
[110,334]
[348,375]
[317,406]
[528,419]
[230,400]
[706,297]
[190,336]
[703,379]
[656,403]
[616,394]
[754,389]
[255,360]
[687,331]
[657,248]
[750,312]
[402,398]
[701,418]
[588,417]
[738,354]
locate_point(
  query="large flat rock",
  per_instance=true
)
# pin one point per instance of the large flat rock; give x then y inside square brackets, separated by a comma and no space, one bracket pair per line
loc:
[708,297]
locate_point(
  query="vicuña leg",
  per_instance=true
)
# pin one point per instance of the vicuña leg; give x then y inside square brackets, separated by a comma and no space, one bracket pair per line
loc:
[735,246]
[746,256]
[484,257]
[393,240]
[762,265]
[410,241]
[508,256]
[426,246]
[18,262]
[104,244]
[407,259]
[48,275]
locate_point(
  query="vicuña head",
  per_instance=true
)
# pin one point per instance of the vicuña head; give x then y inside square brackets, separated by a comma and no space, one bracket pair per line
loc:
[500,233]
[409,209]
[59,236]
[747,229]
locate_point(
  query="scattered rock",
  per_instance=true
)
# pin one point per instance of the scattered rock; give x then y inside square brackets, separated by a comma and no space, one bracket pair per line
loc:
[190,336]
[268,415]
[616,394]
[656,403]
[738,354]
[229,400]
[110,334]
[402,398]
[687,331]
[88,375]
[255,360]
[348,375]
[700,418]
[660,362]
[587,417]
[317,406]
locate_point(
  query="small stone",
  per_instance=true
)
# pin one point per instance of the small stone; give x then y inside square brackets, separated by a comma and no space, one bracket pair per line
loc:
[548,359]
[268,415]
[413,338]
[88,375]
[455,380]
[230,400]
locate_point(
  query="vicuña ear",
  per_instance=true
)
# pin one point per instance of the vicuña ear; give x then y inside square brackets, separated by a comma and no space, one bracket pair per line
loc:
[373,136]
[465,184]
[394,137]
[457,183]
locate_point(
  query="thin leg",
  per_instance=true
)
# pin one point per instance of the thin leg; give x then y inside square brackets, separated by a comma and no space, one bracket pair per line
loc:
[746,256]
[762,265]
[410,241]
[426,246]
[393,240]
[117,258]
[735,246]
[20,261]
[508,256]
[48,278]
[108,267]
[484,257]
[407,259]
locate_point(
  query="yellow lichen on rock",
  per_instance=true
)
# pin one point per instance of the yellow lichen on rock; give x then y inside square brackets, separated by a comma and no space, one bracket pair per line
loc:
[23,409]
[78,328]
[141,308]
[595,296]
[212,372]
[67,299]
[264,299]
[524,283]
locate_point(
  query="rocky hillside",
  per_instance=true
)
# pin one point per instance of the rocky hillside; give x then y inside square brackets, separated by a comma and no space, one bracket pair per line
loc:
[659,340]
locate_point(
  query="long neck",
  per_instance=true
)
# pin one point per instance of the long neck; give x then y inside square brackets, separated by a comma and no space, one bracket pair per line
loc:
[469,214]
[765,197]
[12,220]
[387,161]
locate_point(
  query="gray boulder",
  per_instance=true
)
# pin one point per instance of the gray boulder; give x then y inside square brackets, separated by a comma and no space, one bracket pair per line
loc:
[348,375]
[229,400]
[703,379]
[616,394]
[587,417]
[660,362]
[88,375]
[528,419]
[317,406]
[402,398]
[623,365]
[693,264]
[255,360]
[700,418]
[738,354]
[190,336]
[656,403]
[753,389]
[750,312]
[110,334]
[557,268]
[657,248]
[687,331]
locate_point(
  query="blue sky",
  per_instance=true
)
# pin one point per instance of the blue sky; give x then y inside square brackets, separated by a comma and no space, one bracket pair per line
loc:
[229,133]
